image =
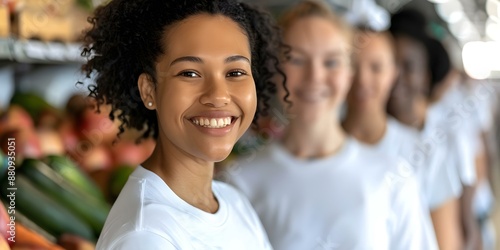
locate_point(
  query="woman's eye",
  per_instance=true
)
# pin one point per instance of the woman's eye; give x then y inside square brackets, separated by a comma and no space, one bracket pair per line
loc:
[331,63]
[190,74]
[296,61]
[236,73]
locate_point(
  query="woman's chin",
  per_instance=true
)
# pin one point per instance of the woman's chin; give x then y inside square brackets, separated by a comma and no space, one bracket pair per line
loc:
[217,155]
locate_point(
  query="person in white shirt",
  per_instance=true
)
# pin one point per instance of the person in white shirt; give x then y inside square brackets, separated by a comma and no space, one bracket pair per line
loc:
[367,120]
[467,108]
[423,65]
[165,221]
[318,188]
[187,73]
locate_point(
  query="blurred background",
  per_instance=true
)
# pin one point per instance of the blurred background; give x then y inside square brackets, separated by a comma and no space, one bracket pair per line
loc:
[70,147]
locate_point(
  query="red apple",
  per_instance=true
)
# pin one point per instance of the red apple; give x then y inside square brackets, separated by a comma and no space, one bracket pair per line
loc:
[26,144]
[130,153]
[69,136]
[97,127]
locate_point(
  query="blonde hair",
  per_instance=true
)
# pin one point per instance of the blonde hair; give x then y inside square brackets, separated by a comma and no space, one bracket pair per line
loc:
[315,8]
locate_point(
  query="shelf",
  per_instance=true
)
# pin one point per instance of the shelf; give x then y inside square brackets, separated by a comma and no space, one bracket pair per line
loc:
[31,51]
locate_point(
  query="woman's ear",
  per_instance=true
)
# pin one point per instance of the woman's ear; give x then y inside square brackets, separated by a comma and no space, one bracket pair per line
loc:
[147,91]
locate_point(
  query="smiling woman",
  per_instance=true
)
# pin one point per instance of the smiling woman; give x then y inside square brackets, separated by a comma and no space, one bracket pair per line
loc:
[194,74]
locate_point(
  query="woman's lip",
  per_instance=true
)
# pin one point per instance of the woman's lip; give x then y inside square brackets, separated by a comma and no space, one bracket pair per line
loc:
[216,131]
[214,114]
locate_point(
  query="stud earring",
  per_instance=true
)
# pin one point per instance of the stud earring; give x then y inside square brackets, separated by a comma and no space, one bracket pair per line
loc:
[150,104]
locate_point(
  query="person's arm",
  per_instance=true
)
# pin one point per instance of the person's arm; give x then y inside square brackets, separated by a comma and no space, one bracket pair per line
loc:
[412,227]
[472,232]
[446,221]
[472,171]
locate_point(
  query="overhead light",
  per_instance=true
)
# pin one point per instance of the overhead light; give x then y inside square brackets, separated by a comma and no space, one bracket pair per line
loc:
[450,11]
[464,30]
[493,29]
[480,58]
[439,1]
[493,8]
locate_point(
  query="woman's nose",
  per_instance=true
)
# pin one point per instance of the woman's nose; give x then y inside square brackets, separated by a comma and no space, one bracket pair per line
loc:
[316,73]
[216,93]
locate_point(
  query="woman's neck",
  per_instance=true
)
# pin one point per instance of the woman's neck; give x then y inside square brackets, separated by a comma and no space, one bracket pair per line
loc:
[416,116]
[190,179]
[368,126]
[314,139]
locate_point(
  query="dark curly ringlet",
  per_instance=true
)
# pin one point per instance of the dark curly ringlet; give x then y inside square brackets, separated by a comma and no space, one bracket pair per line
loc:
[126,41]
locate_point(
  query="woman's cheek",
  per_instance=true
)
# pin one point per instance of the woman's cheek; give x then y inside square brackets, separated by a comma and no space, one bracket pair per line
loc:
[245,96]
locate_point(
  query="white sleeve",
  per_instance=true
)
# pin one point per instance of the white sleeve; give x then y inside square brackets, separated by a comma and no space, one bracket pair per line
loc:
[411,224]
[463,157]
[143,240]
[442,182]
[485,114]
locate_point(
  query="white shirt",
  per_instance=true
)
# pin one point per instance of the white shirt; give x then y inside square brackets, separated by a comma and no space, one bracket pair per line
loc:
[356,199]
[431,158]
[468,108]
[149,215]
[447,130]
[462,112]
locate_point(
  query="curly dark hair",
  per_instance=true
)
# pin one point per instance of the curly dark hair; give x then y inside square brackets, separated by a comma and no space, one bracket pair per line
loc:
[413,24]
[125,41]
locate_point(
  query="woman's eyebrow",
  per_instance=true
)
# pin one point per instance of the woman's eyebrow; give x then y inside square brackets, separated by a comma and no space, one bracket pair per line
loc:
[334,53]
[187,59]
[236,58]
[199,60]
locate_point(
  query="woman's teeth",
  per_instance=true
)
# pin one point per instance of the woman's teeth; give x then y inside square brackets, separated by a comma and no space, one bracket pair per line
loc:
[212,122]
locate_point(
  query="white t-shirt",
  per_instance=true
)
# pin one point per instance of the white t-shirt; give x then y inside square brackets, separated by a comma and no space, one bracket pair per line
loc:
[444,130]
[462,112]
[149,215]
[431,158]
[356,199]
[468,110]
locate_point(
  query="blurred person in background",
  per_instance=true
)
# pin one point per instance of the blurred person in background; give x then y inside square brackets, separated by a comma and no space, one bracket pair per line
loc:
[367,120]
[423,64]
[318,188]
[468,106]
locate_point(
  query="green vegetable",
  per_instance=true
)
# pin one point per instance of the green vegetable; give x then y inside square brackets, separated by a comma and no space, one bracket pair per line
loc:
[43,210]
[74,175]
[118,179]
[87,208]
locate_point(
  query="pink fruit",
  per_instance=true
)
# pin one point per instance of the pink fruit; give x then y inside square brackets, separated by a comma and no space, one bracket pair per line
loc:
[97,127]
[51,142]
[95,158]
[129,153]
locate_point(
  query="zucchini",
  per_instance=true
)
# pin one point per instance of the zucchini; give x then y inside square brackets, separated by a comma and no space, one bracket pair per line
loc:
[45,211]
[74,175]
[118,179]
[4,164]
[23,219]
[81,204]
